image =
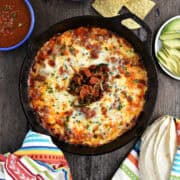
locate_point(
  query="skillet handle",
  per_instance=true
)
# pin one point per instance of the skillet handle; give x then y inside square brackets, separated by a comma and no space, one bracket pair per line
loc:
[127,15]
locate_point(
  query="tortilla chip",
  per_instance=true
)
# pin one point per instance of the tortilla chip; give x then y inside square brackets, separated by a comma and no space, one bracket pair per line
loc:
[140,7]
[108,8]
[130,24]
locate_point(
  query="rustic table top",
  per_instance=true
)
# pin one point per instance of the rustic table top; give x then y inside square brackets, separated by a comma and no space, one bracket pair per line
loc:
[13,125]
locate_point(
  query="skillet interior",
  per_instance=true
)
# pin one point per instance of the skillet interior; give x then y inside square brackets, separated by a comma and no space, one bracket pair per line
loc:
[112,24]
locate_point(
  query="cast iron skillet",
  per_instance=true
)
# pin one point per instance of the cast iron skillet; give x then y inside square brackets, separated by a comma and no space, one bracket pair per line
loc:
[113,24]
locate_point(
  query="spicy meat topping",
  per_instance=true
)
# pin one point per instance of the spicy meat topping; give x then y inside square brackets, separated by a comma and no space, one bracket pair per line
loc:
[89,83]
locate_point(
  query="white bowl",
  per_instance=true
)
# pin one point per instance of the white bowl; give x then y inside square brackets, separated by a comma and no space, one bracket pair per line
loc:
[158,45]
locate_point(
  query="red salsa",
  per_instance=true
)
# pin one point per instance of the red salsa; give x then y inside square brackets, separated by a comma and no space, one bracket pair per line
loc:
[14,22]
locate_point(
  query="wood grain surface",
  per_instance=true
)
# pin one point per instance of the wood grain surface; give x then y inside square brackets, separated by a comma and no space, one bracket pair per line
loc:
[13,125]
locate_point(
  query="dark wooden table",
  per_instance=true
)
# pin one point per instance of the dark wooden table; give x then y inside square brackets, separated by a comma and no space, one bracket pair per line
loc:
[13,125]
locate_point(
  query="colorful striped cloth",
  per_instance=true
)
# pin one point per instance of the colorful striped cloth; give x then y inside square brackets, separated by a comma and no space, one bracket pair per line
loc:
[175,172]
[37,159]
[129,170]
[129,167]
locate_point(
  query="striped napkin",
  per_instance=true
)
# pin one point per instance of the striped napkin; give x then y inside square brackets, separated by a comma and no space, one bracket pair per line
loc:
[37,159]
[129,169]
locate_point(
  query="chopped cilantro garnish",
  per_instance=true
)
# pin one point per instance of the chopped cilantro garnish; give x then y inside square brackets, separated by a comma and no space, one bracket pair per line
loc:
[14,15]
[67,118]
[65,124]
[136,80]
[124,68]
[6,8]
[129,50]
[120,107]
[66,66]
[72,50]
[50,90]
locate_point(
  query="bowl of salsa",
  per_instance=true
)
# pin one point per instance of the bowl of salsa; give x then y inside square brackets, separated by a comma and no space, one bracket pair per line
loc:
[16,23]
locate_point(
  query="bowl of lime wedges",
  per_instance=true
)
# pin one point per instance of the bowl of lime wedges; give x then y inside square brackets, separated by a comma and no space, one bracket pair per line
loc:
[167,47]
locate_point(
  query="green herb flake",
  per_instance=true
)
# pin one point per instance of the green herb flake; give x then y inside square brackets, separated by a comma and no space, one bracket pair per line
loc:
[66,67]
[50,90]
[52,74]
[136,80]
[106,48]
[127,73]
[109,86]
[124,68]
[72,50]
[120,107]
[72,103]
[14,15]
[6,8]
[65,124]
[63,47]
[129,51]
[87,126]
[67,118]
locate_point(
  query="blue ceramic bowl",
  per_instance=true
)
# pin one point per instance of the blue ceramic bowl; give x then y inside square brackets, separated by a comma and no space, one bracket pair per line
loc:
[31,11]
